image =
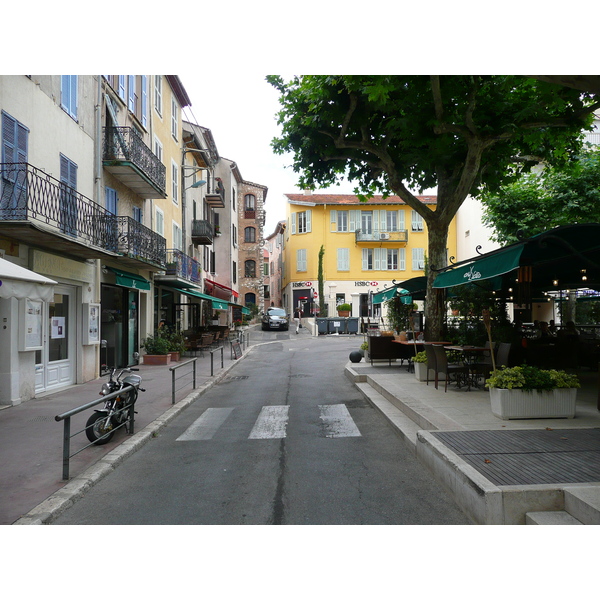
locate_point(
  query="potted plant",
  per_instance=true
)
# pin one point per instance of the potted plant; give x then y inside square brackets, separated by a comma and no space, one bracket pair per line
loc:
[157,350]
[420,362]
[526,392]
[364,347]
[344,309]
[176,345]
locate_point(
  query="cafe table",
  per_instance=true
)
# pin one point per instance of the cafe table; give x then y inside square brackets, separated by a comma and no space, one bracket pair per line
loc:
[471,357]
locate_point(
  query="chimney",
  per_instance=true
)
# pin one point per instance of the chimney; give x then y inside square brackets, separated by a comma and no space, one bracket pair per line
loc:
[308,192]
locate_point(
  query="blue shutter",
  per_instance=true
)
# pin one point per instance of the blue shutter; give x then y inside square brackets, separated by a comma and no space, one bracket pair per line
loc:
[145,100]
[110,196]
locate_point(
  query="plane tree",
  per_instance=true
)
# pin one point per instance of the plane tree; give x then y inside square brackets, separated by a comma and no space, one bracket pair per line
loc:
[402,135]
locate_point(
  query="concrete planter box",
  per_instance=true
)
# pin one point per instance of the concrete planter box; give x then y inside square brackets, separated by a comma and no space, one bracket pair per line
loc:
[157,359]
[523,404]
[421,373]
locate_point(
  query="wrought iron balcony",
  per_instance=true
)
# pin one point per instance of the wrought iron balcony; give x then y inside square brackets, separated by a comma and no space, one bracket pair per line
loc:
[36,208]
[203,232]
[182,266]
[381,235]
[127,157]
[138,242]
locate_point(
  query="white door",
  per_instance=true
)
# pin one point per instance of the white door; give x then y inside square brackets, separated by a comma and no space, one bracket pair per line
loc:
[55,363]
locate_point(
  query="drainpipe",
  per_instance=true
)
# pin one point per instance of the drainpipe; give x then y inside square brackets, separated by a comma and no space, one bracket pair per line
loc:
[98,192]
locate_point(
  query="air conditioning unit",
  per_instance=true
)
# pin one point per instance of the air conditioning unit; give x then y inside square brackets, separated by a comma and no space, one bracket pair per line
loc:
[384,236]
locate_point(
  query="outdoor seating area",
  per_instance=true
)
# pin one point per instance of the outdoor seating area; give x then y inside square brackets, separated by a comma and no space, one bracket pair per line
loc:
[205,338]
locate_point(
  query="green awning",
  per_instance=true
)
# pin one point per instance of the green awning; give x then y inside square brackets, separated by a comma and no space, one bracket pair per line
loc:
[217,303]
[245,310]
[129,280]
[386,294]
[488,266]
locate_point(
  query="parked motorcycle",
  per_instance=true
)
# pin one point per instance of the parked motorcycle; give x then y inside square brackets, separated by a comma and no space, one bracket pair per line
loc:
[101,425]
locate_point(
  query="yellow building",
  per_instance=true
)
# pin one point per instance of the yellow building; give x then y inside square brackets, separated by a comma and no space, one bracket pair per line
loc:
[366,246]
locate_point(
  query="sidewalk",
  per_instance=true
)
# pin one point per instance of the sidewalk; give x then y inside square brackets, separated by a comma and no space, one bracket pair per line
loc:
[499,472]
[31,439]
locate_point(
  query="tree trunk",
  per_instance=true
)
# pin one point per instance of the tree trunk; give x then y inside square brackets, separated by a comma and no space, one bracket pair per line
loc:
[435,305]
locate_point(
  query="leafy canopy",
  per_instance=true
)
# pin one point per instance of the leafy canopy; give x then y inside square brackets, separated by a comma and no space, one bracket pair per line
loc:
[557,196]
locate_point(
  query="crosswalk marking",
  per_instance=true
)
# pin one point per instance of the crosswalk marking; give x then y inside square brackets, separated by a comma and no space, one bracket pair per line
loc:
[271,423]
[205,426]
[337,421]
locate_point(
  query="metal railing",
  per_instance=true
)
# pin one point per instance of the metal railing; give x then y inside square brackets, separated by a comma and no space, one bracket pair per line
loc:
[174,378]
[203,231]
[29,194]
[66,417]
[212,359]
[381,235]
[182,265]
[138,241]
[126,144]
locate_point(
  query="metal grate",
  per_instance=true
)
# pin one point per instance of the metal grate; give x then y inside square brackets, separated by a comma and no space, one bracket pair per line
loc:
[529,456]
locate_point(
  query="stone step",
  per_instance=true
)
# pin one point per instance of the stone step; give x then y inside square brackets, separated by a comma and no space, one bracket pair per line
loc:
[583,502]
[551,517]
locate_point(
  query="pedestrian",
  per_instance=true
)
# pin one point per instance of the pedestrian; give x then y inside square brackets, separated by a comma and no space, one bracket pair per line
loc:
[298,318]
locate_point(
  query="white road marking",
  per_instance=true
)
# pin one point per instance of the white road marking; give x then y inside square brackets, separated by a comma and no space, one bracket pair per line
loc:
[271,423]
[205,426]
[337,421]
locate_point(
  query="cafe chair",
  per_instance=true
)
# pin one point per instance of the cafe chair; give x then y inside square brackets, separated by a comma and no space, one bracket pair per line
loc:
[502,355]
[442,366]
[485,366]
[431,364]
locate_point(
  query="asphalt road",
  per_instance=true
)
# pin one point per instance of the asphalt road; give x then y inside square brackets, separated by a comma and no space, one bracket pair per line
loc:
[284,439]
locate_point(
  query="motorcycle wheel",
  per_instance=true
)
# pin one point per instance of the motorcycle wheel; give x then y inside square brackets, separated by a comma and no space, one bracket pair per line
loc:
[94,429]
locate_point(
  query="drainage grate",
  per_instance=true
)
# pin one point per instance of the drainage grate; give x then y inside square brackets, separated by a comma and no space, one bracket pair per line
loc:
[529,456]
[236,378]
[41,419]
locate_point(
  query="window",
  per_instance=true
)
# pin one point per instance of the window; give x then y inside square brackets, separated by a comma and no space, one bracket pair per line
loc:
[160,222]
[367,259]
[301,222]
[234,272]
[177,240]
[144,107]
[343,259]
[174,117]
[418,259]
[391,220]
[68,197]
[68,94]
[366,221]
[175,181]
[131,93]
[110,198]
[234,239]
[417,221]
[249,235]
[137,214]
[250,268]
[158,94]
[14,141]
[249,202]
[339,221]
[301,260]
[158,149]
[121,88]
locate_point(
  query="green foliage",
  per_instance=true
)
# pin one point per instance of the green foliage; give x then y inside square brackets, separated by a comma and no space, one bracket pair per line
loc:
[176,342]
[398,313]
[364,346]
[344,306]
[559,196]
[420,357]
[531,378]
[157,344]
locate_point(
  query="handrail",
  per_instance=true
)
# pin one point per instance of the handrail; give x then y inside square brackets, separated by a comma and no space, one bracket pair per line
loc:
[173,379]
[66,417]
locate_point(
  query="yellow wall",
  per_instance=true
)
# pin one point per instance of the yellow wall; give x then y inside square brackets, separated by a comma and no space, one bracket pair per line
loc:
[321,234]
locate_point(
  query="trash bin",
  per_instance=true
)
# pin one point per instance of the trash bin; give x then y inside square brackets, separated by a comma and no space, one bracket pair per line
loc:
[337,325]
[352,325]
[321,325]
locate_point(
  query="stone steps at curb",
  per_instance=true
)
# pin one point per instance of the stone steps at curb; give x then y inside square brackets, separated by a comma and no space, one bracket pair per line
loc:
[583,502]
[405,426]
[551,517]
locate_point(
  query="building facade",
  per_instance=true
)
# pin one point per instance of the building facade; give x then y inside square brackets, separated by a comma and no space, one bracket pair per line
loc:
[366,247]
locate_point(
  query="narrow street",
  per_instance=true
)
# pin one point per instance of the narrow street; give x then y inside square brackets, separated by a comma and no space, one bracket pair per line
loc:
[283,439]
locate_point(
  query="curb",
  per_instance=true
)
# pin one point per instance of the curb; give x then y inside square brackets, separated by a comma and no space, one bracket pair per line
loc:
[48,510]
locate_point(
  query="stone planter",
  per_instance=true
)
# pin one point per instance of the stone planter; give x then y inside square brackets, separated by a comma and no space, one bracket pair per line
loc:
[175,356]
[157,359]
[523,404]
[421,373]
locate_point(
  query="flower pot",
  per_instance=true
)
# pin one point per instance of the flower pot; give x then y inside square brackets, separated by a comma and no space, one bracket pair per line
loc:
[421,373]
[175,356]
[536,404]
[343,313]
[157,359]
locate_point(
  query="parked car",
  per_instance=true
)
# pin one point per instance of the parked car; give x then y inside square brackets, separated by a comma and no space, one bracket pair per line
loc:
[275,318]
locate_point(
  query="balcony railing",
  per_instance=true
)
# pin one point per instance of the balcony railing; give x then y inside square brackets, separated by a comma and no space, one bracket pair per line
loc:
[28,194]
[203,232]
[137,241]
[381,235]
[128,158]
[183,266]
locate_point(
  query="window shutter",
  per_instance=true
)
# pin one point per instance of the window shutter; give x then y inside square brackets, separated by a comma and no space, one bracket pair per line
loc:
[343,259]
[145,100]
[365,259]
[131,92]
[401,220]
[352,220]
[110,196]
[377,262]
[308,221]
[401,259]
[293,223]
[333,220]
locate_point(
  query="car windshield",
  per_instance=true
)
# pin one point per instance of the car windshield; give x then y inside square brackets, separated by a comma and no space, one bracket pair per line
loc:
[279,312]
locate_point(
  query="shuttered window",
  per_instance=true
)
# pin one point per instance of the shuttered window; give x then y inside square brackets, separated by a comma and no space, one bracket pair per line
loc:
[68,94]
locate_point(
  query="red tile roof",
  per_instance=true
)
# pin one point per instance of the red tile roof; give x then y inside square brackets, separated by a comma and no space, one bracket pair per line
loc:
[352,199]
